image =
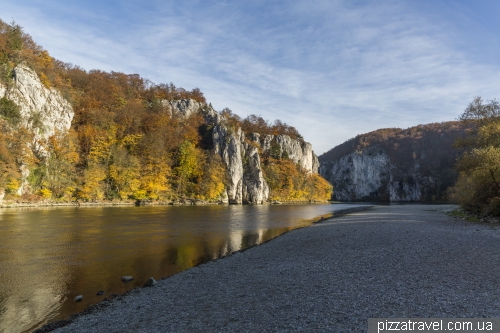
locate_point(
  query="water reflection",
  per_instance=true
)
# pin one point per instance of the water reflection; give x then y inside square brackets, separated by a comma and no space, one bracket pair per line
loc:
[48,256]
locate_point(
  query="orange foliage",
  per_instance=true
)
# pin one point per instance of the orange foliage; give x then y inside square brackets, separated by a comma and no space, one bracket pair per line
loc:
[124,143]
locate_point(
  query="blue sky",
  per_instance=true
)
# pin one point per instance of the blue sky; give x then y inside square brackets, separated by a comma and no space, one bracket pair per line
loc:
[332,69]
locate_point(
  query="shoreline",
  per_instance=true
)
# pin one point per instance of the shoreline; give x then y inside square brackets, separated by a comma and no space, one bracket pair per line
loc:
[49,327]
[134,203]
[328,277]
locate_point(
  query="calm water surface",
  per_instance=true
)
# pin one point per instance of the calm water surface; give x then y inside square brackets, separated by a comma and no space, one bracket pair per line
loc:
[48,256]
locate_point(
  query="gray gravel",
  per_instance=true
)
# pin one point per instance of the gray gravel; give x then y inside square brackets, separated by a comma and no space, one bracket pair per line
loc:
[390,261]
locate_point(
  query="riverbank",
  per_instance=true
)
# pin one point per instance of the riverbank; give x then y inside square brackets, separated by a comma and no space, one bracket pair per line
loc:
[187,202]
[390,261]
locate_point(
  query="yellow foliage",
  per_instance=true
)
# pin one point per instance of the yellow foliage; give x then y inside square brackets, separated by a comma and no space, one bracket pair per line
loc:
[318,189]
[45,193]
[92,187]
[478,184]
[154,178]
[130,141]
[13,185]
[290,182]
[101,145]
[69,192]
[189,169]
[141,195]
[46,60]
[59,164]
[212,184]
[44,79]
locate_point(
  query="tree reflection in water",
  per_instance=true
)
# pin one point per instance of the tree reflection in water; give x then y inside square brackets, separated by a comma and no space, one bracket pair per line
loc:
[48,256]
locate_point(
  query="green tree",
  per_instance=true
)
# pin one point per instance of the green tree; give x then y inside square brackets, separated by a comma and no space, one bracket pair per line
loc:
[10,111]
[15,40]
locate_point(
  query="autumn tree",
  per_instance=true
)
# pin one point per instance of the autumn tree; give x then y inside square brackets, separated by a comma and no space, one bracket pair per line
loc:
[9,173]
[189,168]
[123,143]
[58,166]
[214,177]
[478,185]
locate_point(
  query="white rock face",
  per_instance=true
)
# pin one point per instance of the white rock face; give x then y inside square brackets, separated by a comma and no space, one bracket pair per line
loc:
[52,111]
[360,176]
[183,107]
[298,152]
[255,188]
[246,180]
[3,90]
[35,99]
[228,145]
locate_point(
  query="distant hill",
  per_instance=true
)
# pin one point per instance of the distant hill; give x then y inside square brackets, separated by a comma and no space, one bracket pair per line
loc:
[394,164]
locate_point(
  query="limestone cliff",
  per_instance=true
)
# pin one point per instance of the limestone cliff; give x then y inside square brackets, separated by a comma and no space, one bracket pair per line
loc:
[183,107]
[246,182]
[360,176]
[42,109]
[298,152]
[416,164]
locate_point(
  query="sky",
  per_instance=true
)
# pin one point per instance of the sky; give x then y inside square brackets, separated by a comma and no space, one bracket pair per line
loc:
[332,69]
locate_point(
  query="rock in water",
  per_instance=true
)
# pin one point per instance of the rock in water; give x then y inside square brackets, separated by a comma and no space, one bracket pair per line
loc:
[150,282]
[100,293]
[127,278]
[79,298]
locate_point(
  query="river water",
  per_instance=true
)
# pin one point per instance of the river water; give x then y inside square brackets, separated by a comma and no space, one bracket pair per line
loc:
[49,256]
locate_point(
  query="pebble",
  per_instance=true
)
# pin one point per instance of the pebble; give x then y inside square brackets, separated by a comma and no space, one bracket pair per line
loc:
[150,282]
[127,278]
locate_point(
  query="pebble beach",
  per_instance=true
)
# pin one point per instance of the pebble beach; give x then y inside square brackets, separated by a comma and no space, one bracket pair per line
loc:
[399,261]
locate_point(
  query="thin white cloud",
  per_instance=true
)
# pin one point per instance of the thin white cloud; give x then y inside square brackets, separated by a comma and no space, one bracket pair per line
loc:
[333,69]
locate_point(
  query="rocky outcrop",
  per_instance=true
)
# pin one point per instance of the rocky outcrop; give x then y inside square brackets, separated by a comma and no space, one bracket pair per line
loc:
[228,145]
[42,109]
[183,108]
[3,90]
[394,165]
[255,188]
[369,177]
[246,181]
[240,153]
[299,152]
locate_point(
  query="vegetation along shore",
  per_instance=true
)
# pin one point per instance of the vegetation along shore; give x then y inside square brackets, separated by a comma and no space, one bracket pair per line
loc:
[68,134]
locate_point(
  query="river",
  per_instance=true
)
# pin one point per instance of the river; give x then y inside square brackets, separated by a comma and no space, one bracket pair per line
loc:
[49,256]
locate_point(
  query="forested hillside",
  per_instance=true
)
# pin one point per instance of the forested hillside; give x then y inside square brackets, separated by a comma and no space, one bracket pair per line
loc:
[129,138]
[393,164]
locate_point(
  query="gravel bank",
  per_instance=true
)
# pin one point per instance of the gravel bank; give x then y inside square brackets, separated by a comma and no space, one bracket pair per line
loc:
[390,261]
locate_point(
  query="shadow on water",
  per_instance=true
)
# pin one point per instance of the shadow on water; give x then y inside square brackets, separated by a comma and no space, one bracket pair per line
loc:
[49,256]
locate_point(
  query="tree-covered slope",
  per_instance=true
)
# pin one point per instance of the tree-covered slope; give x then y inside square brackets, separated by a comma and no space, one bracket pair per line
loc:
[393,164]
[128,138]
